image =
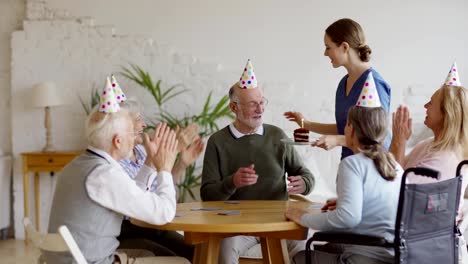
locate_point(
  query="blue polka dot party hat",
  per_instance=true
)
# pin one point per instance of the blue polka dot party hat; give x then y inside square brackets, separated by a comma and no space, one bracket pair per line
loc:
[369,96]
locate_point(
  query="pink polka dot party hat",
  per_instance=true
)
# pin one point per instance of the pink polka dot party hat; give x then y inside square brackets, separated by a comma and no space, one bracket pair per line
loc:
[453,79]
[108,103]
[248,80]
[369,96]
[120,96]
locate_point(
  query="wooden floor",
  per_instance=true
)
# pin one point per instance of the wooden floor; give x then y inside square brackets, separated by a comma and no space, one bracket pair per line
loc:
[17,252]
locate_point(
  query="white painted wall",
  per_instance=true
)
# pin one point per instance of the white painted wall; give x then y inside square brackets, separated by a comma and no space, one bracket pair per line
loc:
[204,45]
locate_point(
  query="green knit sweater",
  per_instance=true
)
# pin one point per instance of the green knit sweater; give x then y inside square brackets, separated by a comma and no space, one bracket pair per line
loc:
[225,154]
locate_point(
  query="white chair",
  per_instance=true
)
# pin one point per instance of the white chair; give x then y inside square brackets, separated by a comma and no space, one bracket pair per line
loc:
[64,242]
[47,242]
[72,246]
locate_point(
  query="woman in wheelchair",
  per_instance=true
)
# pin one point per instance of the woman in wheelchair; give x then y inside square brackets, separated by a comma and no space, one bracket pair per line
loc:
[447,117]
[368,185]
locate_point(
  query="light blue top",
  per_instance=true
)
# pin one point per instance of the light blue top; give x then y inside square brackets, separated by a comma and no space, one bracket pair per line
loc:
[343,102]
[366,204]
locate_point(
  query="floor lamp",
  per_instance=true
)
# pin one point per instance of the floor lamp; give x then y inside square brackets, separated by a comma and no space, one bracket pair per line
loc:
[46,95]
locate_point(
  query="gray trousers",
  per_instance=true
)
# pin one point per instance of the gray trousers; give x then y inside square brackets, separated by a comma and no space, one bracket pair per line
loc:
[333,254]
[232,248]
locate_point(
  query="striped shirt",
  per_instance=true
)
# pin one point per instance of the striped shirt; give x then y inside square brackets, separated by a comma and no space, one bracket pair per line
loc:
[133,167]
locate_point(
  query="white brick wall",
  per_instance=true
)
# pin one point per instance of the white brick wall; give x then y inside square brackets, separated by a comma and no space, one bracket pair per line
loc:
[202,47]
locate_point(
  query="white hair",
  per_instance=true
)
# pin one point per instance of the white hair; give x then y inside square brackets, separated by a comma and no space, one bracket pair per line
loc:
[132,105]
[101,128]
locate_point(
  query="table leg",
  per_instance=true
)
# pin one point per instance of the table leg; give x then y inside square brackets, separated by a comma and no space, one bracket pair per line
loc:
[265,252]
[37,200]
[278,251]
[25,192]
[200,253]
[213,250]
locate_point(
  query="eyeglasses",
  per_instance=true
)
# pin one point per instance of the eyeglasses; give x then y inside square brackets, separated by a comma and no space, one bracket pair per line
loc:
[133,134]
[253,104]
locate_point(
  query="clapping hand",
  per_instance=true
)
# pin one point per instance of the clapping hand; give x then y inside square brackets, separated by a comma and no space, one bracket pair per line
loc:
[401,124]
[152,144]
[162,149]
[187,136]
[191,153]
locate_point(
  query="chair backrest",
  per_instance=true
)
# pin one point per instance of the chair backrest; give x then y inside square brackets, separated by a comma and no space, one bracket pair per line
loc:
[61,242]
[425,230]
[47,242]
[72,246]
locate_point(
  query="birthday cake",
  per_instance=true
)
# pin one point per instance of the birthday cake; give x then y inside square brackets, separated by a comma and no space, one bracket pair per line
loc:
[301,135]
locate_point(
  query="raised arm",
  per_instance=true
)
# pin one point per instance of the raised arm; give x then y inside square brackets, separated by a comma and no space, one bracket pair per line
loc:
[402,129]
[320,128]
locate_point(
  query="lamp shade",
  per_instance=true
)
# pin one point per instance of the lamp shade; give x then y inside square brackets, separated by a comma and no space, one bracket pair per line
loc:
[45,94]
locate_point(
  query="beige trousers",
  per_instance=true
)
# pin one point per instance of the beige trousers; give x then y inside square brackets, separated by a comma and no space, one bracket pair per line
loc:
[141,256]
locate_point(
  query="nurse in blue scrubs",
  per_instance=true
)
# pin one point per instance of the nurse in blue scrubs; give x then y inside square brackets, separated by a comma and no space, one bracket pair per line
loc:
[345,45]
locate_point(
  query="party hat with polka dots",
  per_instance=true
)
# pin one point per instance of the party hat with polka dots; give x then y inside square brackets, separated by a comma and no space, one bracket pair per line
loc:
[108,103]
[369,96]
[120,96]
[453,79]
[248,80]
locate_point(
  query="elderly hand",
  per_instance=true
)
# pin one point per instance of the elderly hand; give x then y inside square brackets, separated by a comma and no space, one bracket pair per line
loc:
[245,176]
[152,145]
[330,205]
[191,153]
[295,117]
[187,135]
[401,124]
[296,185]
[295,213]
[167,153]
[328,142]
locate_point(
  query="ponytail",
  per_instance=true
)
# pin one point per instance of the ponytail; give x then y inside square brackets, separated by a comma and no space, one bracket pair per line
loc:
[383,160]
[370,126]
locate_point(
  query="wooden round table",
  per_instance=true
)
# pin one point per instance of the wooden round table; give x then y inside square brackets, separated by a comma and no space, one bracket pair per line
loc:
[264,219]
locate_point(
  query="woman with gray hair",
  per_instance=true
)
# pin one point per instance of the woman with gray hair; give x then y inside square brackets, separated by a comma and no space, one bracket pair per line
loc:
[368,184]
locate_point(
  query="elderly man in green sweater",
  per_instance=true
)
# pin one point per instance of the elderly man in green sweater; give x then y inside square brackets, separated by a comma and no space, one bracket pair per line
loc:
[247,161]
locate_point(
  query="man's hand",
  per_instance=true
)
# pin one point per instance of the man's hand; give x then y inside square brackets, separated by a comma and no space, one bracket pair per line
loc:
[328,142]
[152,145]
[191,153]
[329,205]
[245,176]
[187,136]
[297,117]
[295,213]
[167,153]
[296,185]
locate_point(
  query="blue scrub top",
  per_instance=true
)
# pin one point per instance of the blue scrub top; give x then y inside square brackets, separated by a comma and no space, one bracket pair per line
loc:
[343,102]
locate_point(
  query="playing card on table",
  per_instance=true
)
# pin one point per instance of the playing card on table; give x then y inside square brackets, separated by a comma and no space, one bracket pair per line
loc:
[229,213]
[206,209]
[232,202]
